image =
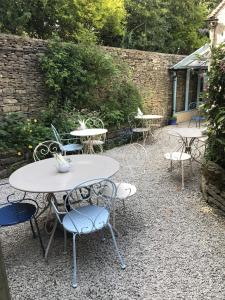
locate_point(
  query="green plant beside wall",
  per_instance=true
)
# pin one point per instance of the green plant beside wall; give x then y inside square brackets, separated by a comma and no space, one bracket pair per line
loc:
[21,134]
[215,108]
[81,76]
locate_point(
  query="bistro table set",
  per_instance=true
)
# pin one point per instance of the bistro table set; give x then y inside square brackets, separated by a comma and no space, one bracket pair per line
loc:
[85,187]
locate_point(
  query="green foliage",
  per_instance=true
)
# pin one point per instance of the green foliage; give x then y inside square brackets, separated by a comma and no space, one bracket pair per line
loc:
[70,19]
[215,107]
[21,134]
[83,76]
[166,26]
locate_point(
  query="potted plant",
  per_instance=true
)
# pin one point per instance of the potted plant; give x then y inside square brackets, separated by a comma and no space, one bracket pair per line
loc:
[172,120]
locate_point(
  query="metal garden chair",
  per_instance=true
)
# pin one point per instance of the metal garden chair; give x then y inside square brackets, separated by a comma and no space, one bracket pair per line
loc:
[138,131]
[14,212]
[47,149]
[133,160]
[68,145]
[198,118]
[99,140]
[178,154]
[95,198]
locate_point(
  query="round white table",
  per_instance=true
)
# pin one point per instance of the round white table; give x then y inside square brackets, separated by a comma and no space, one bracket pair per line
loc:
[42,176]
[90,134]
[186,132]
[149,122]
[149,117]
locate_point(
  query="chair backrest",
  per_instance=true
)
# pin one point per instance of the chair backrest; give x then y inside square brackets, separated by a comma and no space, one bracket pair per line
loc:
[133,122]
[56,134]
[133,159]
[47,149]
[94,122]
[89,195]
[174,143]
[192,105]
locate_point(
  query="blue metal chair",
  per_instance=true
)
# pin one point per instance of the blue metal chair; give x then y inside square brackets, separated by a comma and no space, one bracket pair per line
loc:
[20,211]
[66,145]
[196,118]
[95,199]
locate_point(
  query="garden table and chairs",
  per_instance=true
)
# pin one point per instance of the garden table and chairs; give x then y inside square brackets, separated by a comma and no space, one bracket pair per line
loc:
[91,137]
[144,124]
[67,144]
[42,177]
[188,136]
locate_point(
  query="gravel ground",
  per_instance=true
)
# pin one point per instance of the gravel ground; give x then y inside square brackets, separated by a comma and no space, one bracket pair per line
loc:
[172,241]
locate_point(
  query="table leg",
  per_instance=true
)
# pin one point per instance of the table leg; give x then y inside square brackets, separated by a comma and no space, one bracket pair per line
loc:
[51,238]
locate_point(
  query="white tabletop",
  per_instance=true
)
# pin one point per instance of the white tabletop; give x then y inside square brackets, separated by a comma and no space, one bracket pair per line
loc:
[42,176]
[149,117]
[89,132]
[189,132]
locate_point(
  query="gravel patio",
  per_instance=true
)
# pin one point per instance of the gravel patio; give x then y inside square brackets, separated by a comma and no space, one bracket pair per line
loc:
[172,241]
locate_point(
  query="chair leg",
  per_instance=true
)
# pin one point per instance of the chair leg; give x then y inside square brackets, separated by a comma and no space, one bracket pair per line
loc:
[182,174]
[74,281]
[189,123]
[122,264]
[124,206]
[65,241]
[39,236]
[101,234]
[32,229]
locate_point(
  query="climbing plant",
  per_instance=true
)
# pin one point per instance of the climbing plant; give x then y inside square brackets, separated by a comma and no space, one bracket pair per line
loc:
[215,107]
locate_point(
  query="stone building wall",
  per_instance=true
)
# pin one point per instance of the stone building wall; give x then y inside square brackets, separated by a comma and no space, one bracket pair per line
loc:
[22,88]
[153,77]
[21,84]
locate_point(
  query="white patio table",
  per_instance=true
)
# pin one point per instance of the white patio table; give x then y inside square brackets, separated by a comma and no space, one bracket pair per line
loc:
[149,117]
[147,123]
[42,176]
[90,134]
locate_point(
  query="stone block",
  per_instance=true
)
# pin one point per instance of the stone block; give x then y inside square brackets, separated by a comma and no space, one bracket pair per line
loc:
[9,100]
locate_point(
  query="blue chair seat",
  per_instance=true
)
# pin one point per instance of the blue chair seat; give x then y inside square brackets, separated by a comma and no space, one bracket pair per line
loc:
[15,213]
[86,219]
[72,147]
[198,118]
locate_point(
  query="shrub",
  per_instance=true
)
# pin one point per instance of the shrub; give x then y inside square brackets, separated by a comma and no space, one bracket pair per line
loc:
[20,133]
[215,107]
[81,76]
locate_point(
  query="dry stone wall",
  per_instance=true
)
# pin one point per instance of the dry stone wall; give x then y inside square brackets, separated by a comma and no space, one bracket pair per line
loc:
[22,87]
[21,83]
[151,73]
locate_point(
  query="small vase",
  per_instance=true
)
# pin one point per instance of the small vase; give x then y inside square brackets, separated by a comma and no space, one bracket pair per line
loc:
[63,167]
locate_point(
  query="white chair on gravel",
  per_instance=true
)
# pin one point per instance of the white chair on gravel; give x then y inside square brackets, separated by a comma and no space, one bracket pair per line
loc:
[179,155]
[133,160]
[93,213]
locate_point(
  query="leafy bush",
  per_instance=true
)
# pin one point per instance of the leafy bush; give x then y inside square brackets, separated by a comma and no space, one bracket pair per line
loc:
[81,76]
[215,107]
[20,133]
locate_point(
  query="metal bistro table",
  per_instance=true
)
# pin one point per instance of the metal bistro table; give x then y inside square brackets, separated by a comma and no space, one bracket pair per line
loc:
[42,176]
[188,135]
[148,119]
[90,134]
